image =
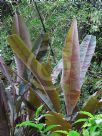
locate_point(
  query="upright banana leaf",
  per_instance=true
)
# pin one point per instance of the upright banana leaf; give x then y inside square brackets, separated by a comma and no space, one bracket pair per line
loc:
[71,69]
[36,68]
[40,48]
[87,49]
[4,127]
[19,27]
[86,52]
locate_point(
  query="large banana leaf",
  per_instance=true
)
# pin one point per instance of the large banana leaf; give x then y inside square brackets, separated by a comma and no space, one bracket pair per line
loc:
[4,127]
[87,48]
[34,100]
[40,48]
[71,69]
[19,27]
[86,52]
[54,118]
[39,72]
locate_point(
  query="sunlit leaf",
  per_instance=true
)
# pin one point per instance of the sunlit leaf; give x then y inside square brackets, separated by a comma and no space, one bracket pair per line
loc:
[62,132]
[31,124]
[73,133]
[87,113]
[70,81]
[50,127]
[87,49]
[81,120]
[38,111]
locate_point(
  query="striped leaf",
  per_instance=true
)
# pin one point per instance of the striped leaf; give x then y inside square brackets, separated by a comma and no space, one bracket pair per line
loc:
[19,27]
[87,49]
[86,52]
[70,81]
[39,72]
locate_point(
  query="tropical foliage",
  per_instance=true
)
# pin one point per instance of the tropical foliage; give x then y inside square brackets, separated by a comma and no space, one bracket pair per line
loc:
[32,81]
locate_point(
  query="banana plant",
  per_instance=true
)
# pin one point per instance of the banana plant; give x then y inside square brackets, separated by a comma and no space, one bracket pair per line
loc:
[74,64]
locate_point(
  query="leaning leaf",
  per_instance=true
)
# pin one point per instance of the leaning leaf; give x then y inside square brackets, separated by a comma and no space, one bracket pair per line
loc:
[36,68]
[31,124]
[43,98]
[19,27]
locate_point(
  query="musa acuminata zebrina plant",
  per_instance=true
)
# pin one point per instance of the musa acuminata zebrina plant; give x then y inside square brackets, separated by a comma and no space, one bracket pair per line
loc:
[73,65]
[87,48]
[70,80]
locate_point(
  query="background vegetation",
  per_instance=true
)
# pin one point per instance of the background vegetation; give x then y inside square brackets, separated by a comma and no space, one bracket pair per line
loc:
[57,15]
